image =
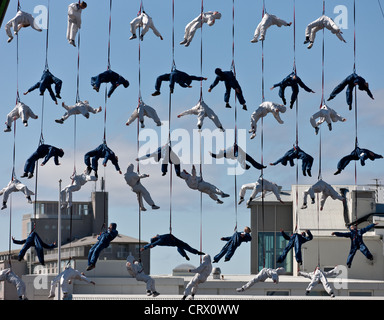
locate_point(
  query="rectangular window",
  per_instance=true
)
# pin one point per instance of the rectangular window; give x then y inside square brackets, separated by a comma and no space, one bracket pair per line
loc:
[360,293]
[277,293]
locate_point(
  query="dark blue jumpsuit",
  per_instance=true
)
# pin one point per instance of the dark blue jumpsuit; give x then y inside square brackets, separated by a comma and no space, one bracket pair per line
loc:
[297,153]
[294,241]
[181,78]
[289,81]
[43,151]
[357,154]
[170,240]
[102,151]
[47,79]
[232,244]
[33,240]
[104,239]
[357,242]
[230,82]
[109,76]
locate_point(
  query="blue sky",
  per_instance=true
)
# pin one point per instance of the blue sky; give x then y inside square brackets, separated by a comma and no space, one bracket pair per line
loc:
[156,58]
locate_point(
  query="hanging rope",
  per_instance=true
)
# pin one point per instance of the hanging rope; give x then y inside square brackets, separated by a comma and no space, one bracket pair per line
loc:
[355,94]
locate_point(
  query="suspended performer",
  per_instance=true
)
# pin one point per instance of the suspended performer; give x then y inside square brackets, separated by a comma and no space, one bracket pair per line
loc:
[265,108]
[91,159]
[190,29]
[111,77]
[11,277]
[103,241]
[236,153]
[21,20]
[14,186]
[320,24]
[21,110]
[33,240]
[350,82]
[136,270]
[263,275]
[202,273]
[326,114]
[296,153]
[74,20]
[183,79]
[230,82]
[133,180]
[201,110]
[43,151]
[357,154]
[78,180]
[196,182]
[169,240]
[293,81]
[45,83]
[81,107]
[233,242]
[65,278]
[319,276]
[267,21]
[295,241]
[326,191]
[144,110]
[261,185]
[357,243]
[144,21]
[166,153]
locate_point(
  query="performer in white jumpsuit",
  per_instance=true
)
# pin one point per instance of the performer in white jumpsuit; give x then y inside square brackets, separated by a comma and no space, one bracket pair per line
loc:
[267,21]
[81,107]
[261,185]
[133,180]
[263,275]
[21,20]
[319,276]
[201,110]
[197,183]
[326,114]
[320,24]
[145,22]
[13,186]
[136,270]
[20,111]
[65,278]
[265,108]
[141,111]
[190,29]
[74,20]
[326,191]
[202,273]
[78,180]
[8,275]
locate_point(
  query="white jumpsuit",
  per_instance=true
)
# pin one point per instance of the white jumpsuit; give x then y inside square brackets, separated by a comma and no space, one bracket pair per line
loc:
[77,182]
[265,108]
[197,183]
[145,22]
[267,21]
[326,191]
[326,114]
[201,110]
[133,180]
[190,29]
[81,107]
[11,277]
[263,275]
[136,270]
[14,186]
[319,24]
[202,273]
[21,20]
[261,185]
[21,110]
[317,277]
[141,111]
[65,278]
[74,21]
